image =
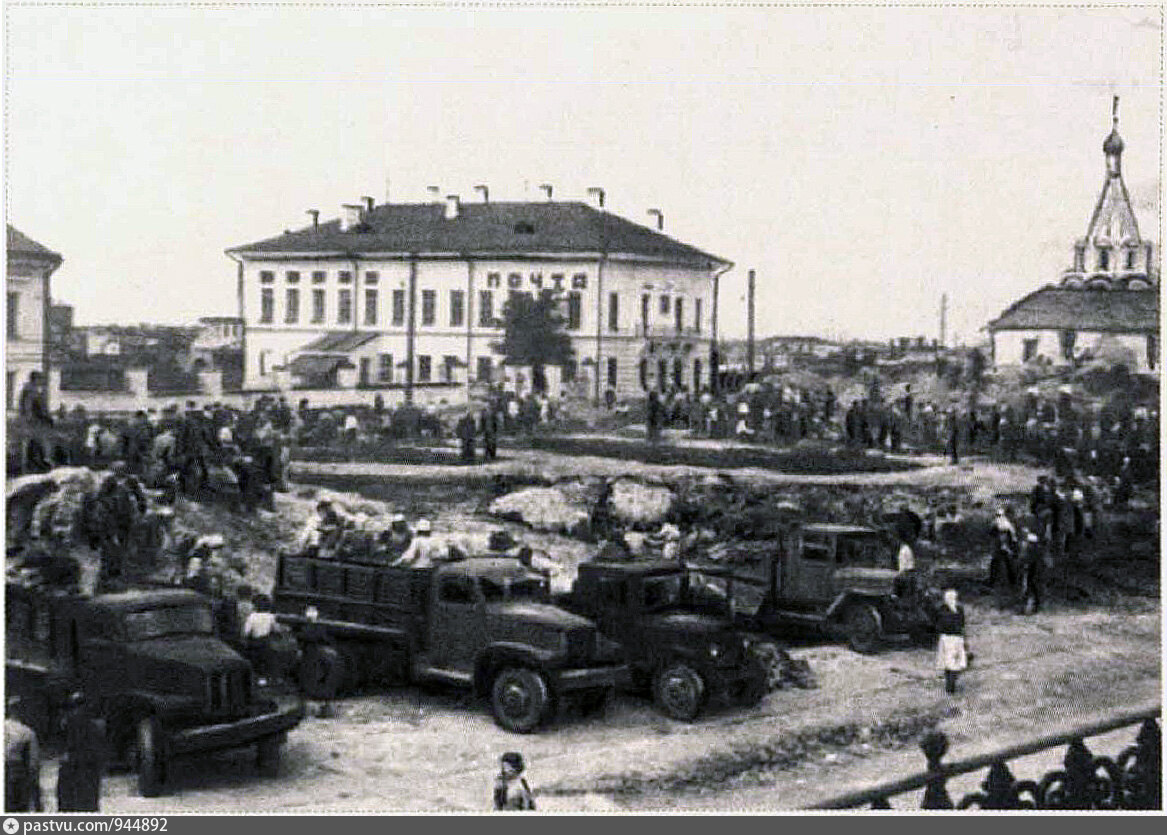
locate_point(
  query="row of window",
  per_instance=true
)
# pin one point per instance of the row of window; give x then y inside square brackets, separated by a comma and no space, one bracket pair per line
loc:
[1102,258]
[429,307]
[318,276]
[662,374]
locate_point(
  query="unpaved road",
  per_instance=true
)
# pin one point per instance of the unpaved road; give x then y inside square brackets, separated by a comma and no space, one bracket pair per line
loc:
[419,750]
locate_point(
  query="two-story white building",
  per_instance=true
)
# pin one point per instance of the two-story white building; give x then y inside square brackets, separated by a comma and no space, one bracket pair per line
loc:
[30,266]
[411,295]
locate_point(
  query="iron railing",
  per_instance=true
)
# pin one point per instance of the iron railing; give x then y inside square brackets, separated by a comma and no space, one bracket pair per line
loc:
[1132,780]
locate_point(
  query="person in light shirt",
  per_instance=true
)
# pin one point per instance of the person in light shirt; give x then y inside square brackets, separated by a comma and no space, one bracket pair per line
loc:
[259,629]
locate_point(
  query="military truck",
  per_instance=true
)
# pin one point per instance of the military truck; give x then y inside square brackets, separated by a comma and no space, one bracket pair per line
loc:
[149,663]
[843,580]
[480,622]
[677,626]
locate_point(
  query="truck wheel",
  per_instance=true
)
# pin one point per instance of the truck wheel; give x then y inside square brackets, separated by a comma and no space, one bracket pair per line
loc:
[520,699]
[322,672]
[149,757]
[679,691]
[863,627]
[267,755]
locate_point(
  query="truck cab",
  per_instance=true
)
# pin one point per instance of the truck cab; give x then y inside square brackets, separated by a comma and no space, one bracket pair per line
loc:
[678,630]
[844,580]
[149,663]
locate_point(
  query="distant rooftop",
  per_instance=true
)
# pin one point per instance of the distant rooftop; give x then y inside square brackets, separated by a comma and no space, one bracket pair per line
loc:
[1083,310]
[21,244]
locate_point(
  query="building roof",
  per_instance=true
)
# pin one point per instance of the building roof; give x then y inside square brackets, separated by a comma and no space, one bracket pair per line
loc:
[492,228]
[21,244]
[338,342]
[316,365]
[1085,310]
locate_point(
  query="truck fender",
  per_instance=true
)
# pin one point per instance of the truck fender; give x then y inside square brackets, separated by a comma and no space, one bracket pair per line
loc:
[505,654]
[123,712]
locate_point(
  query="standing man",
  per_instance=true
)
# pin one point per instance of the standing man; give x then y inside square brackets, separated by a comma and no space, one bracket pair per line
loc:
[489,433]
[22,764]
[82,764]
[1030,565]
[466,433]
[953,436]
[652,416]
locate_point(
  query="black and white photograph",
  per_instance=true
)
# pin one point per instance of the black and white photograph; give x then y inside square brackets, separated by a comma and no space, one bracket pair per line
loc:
[605,409]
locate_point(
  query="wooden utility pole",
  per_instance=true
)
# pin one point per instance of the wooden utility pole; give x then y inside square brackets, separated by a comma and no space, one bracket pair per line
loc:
[943,318]
[750,315]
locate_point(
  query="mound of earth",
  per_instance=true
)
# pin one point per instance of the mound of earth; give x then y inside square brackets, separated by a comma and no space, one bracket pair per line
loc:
[543,508]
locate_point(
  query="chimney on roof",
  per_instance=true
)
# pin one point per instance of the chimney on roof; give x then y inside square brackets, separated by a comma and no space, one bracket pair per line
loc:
[547,189]
[351,218]
[435,193]
[315,215]
[660,218]
[452,206]
[597,196]
[485,193]
[369,203]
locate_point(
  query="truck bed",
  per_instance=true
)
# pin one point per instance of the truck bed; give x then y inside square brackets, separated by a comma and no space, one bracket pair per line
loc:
[361,593]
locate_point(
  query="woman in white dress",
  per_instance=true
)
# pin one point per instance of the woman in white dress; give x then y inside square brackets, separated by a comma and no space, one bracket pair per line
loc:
[952,653]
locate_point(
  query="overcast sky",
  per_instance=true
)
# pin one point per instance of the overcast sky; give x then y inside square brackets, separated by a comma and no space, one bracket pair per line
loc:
[863,161]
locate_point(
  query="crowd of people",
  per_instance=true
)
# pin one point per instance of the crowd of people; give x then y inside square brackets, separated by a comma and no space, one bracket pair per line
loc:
[194,451]
[332,534]
[756,412]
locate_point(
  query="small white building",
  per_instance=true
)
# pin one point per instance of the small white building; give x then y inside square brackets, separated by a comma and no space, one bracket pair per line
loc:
[1107,302]
[30,266]
[408,296]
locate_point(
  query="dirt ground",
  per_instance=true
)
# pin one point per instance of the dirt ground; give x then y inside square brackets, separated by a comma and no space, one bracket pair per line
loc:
[434,750]
[437,750]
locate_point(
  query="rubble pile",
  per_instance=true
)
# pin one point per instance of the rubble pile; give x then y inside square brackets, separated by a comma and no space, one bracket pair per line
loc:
[640,504]
[552,509]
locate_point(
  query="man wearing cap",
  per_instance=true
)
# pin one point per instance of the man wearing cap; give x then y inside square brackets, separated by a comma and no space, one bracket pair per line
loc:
[22,763]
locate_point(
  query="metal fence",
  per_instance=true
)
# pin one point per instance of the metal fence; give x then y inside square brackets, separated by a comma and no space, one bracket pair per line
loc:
[1131,780]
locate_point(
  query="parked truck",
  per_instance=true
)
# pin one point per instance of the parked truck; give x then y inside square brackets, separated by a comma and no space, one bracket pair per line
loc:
[677,626]
[486,623]
[149,663]
[843,580]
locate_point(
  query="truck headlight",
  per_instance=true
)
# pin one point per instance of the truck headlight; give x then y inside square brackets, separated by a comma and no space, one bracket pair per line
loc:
[715,650]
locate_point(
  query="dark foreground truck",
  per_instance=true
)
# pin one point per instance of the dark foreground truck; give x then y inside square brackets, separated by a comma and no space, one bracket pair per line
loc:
[678,630]
[843,581]
[149,662]
[482,622]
